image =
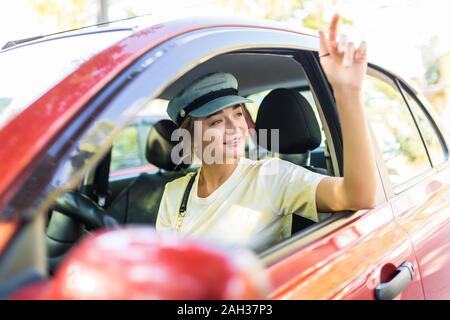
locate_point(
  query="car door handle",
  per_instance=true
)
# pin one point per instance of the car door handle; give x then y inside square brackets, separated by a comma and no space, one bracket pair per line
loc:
[389,290]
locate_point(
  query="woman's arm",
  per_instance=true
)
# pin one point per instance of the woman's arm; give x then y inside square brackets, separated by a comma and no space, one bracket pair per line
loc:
[345,67]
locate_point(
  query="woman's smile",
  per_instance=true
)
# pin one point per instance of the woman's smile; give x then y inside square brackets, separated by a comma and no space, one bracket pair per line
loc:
[233,142]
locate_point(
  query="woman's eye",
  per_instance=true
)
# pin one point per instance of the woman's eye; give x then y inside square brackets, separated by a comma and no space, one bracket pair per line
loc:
[239,114]
[214,123]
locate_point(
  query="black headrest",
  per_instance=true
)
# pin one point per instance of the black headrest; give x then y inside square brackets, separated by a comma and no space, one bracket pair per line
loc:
[159,146]
[288,111]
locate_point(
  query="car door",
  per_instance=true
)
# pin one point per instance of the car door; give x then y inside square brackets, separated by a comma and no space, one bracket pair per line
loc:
[422,206]
[361,255]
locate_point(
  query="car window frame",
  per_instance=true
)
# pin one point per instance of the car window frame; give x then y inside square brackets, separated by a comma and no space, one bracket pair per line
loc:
[405,90]
[392,190]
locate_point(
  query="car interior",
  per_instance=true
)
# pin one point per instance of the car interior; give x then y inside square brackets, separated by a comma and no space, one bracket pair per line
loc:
[103,202]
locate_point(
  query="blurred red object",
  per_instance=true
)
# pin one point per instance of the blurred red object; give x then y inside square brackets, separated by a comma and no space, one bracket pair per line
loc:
[137,263]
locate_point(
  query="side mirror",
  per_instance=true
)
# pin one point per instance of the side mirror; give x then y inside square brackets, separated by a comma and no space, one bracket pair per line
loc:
[137,263]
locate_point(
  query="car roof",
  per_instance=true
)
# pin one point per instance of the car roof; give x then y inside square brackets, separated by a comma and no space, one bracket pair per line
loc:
[141,22]
[131,24]
[16,44]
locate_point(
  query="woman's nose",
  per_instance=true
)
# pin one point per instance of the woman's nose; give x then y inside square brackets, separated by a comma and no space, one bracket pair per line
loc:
[232,124]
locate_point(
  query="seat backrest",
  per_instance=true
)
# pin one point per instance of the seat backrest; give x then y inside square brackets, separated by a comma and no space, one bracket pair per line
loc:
[287,111]
[139,201]
[159,146]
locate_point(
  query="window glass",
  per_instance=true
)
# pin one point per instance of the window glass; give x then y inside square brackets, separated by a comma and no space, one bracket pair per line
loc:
[395,131]
[429,134]
[130,146]
[127,151]
[29,71]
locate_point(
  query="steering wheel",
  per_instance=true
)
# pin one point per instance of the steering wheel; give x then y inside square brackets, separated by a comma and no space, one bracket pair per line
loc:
[82,209]
[72,213]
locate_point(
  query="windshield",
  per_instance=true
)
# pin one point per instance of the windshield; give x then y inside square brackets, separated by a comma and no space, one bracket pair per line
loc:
[28,72]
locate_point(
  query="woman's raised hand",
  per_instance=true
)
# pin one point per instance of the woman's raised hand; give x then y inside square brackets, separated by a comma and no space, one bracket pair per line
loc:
[344,65]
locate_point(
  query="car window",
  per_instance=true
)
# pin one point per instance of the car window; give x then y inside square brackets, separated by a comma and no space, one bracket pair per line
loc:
[430,136]
[128,151]
[396,133]
[28,71]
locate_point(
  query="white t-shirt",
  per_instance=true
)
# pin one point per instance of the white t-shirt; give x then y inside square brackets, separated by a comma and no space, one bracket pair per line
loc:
[252,207]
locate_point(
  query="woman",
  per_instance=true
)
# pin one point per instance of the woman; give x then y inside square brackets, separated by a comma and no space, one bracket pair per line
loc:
[234,199]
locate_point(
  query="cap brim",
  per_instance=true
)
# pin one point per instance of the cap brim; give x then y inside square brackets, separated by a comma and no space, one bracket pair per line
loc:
[217,105]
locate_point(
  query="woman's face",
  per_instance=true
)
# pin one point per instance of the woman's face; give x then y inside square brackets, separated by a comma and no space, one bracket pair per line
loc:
[224,135]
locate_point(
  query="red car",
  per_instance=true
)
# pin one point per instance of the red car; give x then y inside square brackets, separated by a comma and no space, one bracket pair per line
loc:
[85,147]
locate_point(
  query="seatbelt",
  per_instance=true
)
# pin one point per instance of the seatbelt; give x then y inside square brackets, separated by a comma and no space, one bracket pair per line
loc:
[184,201]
